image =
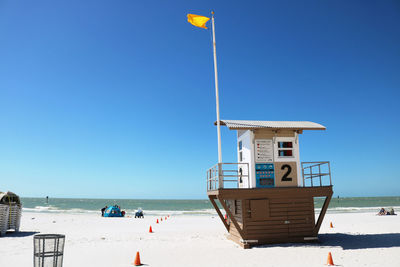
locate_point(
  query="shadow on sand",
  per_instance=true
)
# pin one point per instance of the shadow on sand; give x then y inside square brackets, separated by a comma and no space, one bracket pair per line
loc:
[19,234]
[350,241]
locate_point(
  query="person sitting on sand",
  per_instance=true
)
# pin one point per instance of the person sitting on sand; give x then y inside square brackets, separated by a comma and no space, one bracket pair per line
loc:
[139,213]
[385,212]
[382,212]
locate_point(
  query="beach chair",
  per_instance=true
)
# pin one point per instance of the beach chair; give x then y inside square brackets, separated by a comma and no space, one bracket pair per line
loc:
[10,212]
[3,219]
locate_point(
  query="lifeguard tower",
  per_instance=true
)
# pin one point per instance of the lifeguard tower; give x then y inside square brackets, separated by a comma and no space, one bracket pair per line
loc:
[268,195]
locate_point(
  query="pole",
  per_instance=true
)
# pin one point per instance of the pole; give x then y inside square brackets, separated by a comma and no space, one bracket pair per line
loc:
[216,92]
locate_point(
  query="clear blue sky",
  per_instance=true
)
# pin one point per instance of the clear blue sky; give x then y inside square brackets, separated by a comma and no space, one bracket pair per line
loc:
[116,98]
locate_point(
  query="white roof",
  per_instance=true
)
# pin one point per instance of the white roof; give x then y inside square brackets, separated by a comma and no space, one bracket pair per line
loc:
[295,125]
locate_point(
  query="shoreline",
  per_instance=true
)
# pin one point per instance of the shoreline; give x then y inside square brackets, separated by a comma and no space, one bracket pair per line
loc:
[357,239]
[190,207]
[200,212]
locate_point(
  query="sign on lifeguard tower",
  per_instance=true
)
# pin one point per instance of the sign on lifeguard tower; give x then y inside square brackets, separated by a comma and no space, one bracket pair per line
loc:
[269,193]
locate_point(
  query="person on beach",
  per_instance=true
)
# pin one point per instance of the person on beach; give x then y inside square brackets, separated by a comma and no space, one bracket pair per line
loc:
[103,210]
[382,212]
[391,212]
[385,212]
[139,213]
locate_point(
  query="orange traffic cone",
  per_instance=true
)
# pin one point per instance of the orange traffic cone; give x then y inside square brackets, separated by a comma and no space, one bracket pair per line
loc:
[150,230]
[331,225]
[330,260]
[137,260]
[157,221]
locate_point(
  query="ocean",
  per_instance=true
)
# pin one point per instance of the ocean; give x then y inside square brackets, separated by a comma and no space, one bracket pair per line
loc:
[191,207]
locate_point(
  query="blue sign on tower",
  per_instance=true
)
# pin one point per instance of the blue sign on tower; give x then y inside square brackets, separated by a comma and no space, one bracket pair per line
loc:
[265,176]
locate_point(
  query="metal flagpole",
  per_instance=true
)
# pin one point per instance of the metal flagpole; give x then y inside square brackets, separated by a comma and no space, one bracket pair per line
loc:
[216,91]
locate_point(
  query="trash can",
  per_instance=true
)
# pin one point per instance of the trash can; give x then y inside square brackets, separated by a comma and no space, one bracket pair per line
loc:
[48,250]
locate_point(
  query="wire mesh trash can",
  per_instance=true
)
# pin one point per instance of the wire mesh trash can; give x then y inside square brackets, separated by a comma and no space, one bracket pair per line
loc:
[48,250]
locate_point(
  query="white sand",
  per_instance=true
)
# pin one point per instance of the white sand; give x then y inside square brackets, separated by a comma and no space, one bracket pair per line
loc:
[358,239]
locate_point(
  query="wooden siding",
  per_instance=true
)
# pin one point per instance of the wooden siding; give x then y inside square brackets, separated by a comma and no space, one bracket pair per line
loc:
[273,215]
[287,217]
[277,192]
[235,206]
[269,134]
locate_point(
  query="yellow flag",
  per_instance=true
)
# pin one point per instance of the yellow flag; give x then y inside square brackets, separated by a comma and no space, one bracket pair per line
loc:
[198,21]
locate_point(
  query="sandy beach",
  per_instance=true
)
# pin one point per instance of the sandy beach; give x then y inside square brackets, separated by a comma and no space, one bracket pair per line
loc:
[357,239]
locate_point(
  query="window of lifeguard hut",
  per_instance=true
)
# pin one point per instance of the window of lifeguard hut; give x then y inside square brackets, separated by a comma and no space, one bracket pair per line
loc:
[285,149]
[240,151]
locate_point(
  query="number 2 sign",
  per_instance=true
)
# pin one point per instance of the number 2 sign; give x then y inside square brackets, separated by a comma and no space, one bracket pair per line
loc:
[285,174]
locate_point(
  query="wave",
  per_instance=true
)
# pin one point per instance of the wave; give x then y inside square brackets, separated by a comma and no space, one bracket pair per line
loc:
[356,209]
[199,212]
[53,209]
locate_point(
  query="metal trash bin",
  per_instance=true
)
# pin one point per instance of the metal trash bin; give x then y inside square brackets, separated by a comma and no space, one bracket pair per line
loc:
[48,250]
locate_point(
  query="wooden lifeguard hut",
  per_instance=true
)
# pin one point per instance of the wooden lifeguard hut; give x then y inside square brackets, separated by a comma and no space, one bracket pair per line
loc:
[268,195]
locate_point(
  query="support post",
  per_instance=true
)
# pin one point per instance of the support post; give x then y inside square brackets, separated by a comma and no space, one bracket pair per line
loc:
[220,177]
[219,213]
[322,213]
[232,218]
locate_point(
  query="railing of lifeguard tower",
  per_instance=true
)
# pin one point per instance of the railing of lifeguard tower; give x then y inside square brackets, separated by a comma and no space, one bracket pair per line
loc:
[318,170]
[230,175]
[227,175]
